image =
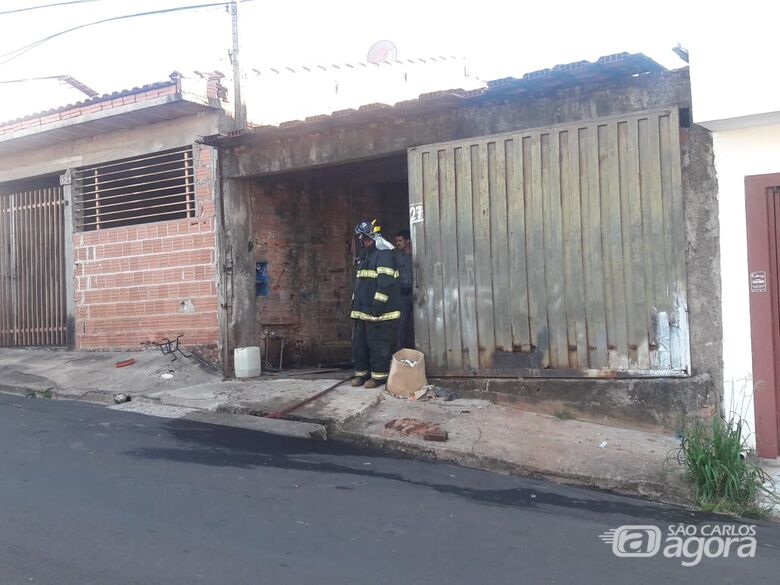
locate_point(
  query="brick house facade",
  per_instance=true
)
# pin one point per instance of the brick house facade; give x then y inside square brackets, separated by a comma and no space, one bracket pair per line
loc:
[144,270]
[138,284]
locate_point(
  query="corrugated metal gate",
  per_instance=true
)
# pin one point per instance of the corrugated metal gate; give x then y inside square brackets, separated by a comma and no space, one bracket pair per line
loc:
[553,252]
[32,268]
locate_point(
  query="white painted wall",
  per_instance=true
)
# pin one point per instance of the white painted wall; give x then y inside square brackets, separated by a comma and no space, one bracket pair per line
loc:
[736,94]
[739,153]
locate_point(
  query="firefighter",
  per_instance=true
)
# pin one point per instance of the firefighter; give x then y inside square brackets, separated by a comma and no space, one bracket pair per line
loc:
[376,306]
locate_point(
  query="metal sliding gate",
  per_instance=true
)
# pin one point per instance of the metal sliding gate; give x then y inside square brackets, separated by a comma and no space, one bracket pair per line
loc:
[32,268]
[558,251]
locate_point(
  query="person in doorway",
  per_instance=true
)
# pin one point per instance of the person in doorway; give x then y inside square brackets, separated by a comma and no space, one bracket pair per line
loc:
[375,306]
[403,245]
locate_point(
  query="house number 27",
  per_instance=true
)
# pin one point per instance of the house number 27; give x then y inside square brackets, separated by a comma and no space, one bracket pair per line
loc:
[415,213]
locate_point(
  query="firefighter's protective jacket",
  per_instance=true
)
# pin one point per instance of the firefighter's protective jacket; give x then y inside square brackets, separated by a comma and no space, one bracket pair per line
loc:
[376,294]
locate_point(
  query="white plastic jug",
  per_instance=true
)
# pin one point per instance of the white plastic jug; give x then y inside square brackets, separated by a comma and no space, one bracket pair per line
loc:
[247,361]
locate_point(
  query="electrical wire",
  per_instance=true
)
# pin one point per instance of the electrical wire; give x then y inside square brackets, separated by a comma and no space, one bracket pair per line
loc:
[17,10]
[16,53]
[22,50]
[28,79]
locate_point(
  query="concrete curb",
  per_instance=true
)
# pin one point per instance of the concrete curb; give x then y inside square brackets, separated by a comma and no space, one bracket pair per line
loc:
[93,396]
[331,425]
[20,390]
[282,427]
[665,492]
[658,491]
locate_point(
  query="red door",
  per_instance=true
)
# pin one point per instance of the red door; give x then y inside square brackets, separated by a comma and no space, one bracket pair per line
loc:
[762,194]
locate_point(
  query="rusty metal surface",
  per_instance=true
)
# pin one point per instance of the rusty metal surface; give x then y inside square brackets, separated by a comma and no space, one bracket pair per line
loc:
[32,268]
[559,373]
[553,252]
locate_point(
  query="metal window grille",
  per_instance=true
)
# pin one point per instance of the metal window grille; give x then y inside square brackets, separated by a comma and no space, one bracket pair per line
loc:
[144,189]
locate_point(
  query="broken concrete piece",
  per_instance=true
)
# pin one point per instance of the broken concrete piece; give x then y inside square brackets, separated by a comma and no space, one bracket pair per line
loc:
[413,426]
[436,435]
[121,398]
[419,394]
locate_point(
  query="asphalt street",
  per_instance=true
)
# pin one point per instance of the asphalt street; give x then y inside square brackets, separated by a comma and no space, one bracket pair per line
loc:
[90,495]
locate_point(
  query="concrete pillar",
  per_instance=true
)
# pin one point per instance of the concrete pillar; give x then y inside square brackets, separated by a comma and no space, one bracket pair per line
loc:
[66,181]
[237,270]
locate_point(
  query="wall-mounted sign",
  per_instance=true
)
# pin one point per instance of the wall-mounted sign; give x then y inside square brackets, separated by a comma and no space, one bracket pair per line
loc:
[758,281]
[415,213]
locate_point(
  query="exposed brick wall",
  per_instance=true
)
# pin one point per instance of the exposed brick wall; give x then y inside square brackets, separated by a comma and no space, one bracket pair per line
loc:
[302,227]
[91,106]
[138,284]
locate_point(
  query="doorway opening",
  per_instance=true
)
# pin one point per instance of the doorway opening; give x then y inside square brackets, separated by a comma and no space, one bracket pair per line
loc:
[302,225]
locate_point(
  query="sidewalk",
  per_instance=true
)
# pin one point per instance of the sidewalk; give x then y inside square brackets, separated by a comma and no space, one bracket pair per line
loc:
[772,468]
[480,434]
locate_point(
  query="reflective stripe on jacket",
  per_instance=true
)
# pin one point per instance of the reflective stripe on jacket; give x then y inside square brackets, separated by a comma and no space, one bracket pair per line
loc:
[377,290]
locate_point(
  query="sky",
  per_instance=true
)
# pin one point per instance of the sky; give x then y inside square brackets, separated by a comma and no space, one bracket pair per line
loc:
[499,39]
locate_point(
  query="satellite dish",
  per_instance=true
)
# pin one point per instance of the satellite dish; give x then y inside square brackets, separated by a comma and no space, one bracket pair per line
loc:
[382,51]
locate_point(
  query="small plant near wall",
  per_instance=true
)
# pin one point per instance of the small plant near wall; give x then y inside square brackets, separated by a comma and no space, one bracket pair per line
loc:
[727,476]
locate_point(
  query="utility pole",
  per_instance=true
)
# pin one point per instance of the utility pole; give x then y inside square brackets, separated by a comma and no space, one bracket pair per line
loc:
[238,105]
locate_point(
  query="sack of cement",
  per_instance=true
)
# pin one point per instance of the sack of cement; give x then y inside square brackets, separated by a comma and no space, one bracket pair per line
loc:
[407,373]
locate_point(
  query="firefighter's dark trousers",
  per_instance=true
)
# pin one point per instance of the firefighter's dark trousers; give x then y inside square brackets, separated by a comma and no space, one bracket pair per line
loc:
[372,345]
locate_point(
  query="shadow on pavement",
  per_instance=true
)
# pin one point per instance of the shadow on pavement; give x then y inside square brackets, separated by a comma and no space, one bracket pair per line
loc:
[206,444]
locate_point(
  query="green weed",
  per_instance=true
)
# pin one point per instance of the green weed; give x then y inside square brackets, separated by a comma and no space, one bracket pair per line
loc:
[727,477]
